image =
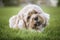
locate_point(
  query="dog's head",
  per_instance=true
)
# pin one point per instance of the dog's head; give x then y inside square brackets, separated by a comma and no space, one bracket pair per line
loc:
[34,20]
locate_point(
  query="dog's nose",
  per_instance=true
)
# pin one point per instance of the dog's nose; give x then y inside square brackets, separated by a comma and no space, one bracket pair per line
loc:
[37,24]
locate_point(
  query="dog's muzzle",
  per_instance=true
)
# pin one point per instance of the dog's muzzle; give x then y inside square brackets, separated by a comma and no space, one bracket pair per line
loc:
[38,23]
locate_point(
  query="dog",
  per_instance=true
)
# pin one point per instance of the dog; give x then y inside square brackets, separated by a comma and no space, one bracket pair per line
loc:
[31,17]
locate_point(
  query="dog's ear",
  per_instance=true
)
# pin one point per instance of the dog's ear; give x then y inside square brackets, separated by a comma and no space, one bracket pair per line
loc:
[47,17]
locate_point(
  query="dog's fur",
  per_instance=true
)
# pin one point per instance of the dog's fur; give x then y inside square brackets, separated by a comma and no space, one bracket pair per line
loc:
[16,22]
[30,17]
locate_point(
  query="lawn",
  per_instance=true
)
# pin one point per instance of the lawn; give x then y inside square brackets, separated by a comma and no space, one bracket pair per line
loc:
[51,32]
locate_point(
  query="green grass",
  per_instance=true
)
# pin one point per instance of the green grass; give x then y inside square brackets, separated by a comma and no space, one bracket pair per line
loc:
[52,32]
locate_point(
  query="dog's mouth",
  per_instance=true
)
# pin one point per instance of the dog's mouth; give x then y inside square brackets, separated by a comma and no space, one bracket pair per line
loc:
[36,25]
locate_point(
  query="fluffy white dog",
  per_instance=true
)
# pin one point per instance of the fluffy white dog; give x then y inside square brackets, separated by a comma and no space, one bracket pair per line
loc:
[30,17]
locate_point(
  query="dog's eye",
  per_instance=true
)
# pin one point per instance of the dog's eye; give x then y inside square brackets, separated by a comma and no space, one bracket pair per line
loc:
[36,18]
[35,12]
[28,17]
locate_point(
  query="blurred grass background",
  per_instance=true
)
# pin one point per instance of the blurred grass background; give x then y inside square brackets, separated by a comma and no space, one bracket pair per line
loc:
[51,32]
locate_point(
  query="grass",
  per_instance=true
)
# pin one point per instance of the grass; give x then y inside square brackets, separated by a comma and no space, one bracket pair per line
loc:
[52,32]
